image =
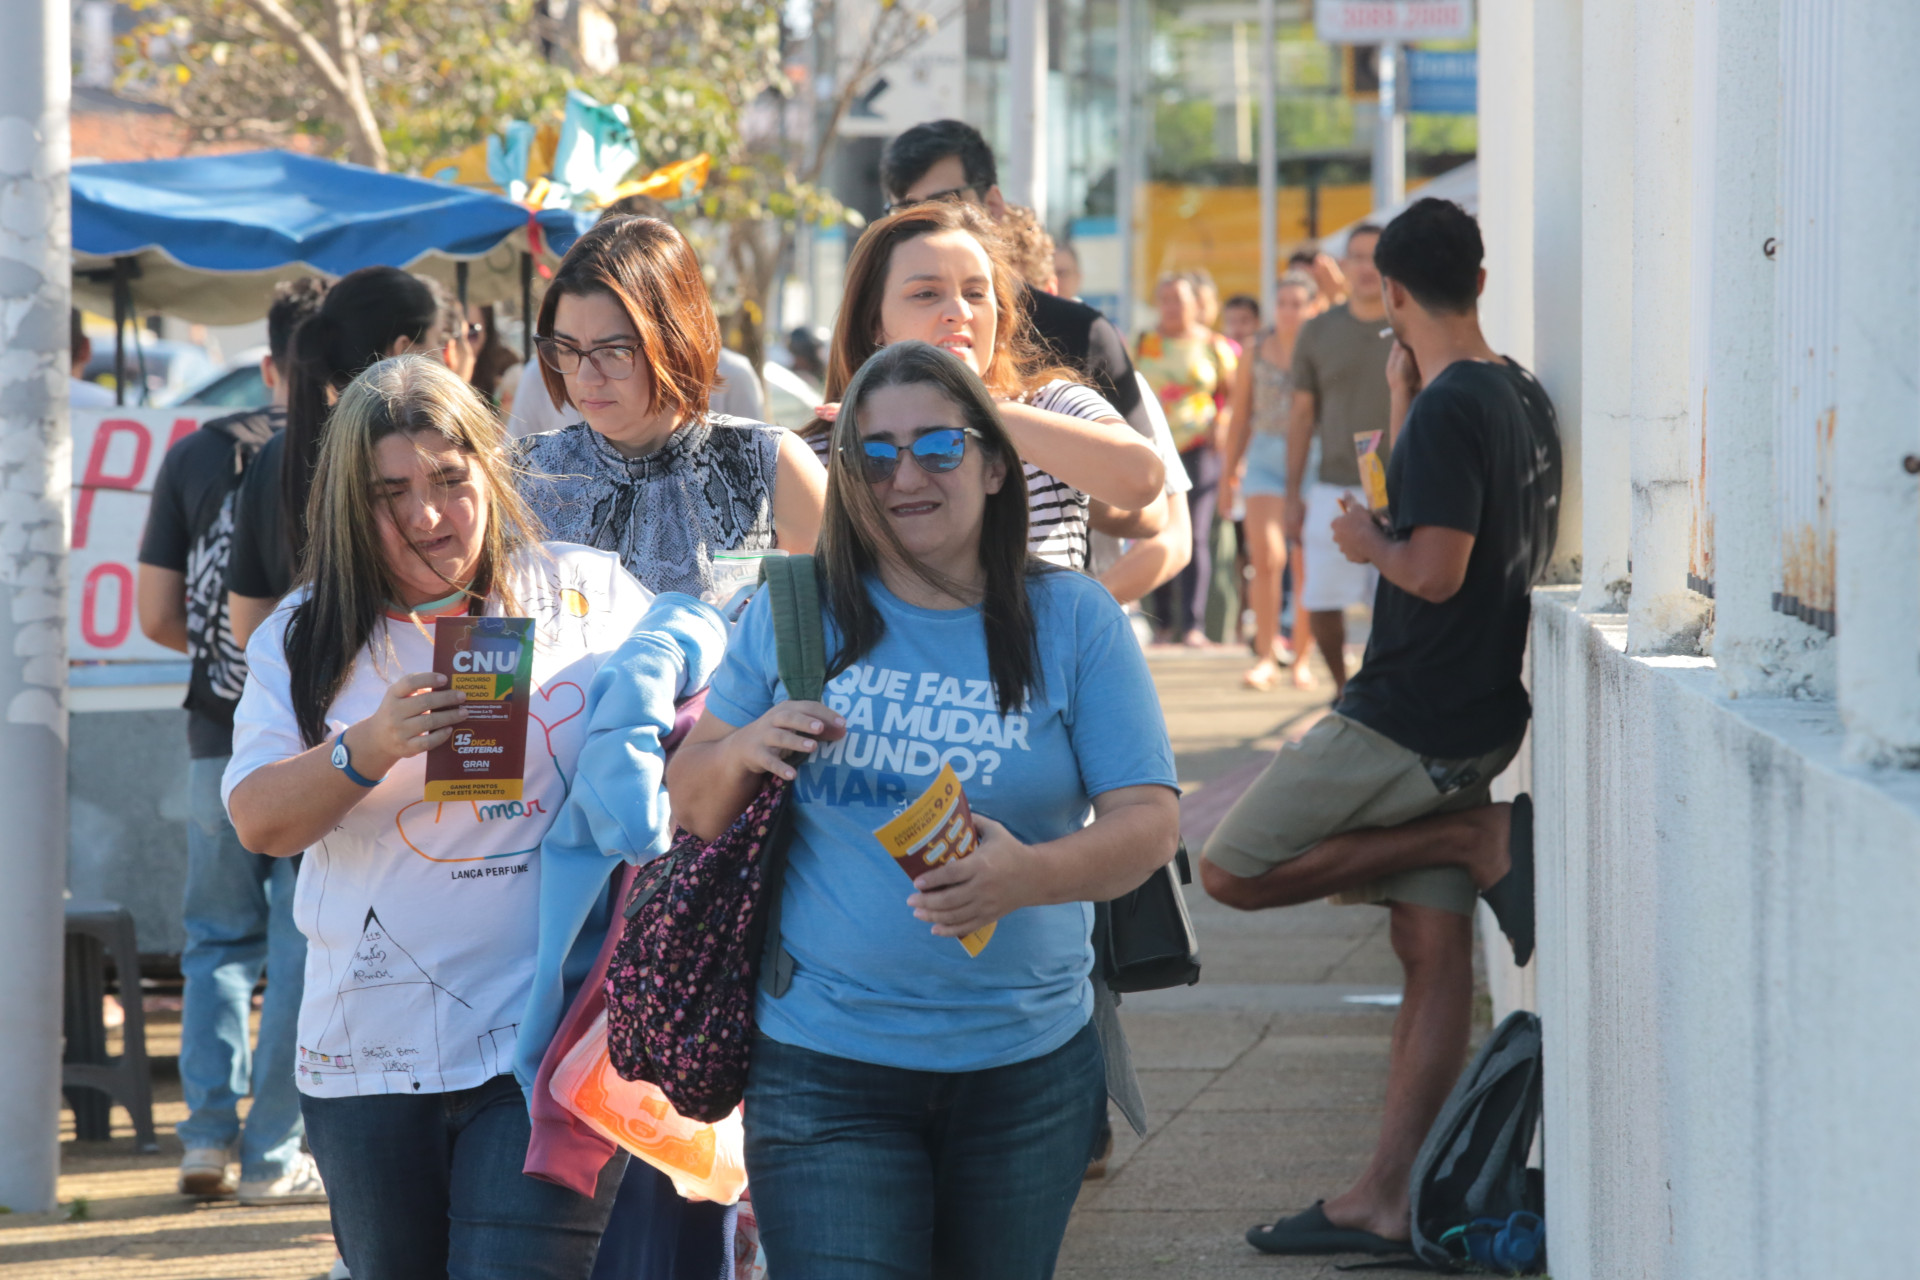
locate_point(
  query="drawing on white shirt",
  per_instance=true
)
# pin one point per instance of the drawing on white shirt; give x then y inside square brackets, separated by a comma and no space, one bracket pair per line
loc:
[387,992]
[561,701]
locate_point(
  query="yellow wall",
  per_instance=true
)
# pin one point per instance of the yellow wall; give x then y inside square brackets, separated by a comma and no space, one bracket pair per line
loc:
[1218,228]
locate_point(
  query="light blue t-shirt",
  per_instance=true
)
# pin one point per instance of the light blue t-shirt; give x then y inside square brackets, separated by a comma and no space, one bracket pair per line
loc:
[871,982]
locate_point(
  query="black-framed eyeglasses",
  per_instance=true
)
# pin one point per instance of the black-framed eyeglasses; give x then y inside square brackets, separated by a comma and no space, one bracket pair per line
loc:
[615,360]
[952,195]
[935,453]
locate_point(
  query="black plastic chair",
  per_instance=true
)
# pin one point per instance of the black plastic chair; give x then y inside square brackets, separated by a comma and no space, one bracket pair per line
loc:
[92,1080]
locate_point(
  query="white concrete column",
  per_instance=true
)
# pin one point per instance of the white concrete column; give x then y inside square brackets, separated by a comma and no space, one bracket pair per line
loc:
[1755,648]
[1390,130]
[1506,175]
[1128,169]
[1606,301]
[1557,285]
[35,472]
[1269,176]
[1877,430]
[1027,130]
[1663,615]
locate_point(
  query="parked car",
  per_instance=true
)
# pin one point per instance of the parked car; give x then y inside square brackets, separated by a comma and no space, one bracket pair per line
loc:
[169,368]
[235,385]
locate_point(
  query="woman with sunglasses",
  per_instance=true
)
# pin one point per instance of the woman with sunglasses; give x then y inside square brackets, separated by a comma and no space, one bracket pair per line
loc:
[913,1109]
[627,336]
[942,273]
[421,918]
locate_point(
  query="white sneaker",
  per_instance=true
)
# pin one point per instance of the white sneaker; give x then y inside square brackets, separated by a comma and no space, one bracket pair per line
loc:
[206,1173]
[300,1184]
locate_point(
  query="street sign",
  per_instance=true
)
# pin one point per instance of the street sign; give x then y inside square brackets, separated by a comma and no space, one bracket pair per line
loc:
[1374,21]
[1443,82]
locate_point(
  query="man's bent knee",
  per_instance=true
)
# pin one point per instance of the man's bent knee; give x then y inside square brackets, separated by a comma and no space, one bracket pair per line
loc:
[1227,888]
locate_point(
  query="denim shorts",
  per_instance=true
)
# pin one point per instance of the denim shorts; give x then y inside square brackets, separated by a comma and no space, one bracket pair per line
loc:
[1266,474]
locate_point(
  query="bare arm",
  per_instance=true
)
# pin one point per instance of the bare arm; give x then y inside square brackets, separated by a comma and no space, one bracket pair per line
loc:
[1430,564]
[246,613]
[1299,449]
[719,768]
[799,493]
[1135,831]
[1105,459]
[1234,434]
[282,808]
[161,598]
[1145,522]
[1153,561]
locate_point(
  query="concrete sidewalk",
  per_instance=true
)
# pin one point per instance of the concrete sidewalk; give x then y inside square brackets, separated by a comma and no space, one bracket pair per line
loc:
[1263,1082]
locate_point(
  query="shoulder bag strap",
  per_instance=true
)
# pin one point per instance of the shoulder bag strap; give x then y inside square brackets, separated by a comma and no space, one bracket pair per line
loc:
[800,641]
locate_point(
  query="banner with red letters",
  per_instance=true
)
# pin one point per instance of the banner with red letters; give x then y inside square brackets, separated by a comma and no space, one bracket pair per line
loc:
[116,456]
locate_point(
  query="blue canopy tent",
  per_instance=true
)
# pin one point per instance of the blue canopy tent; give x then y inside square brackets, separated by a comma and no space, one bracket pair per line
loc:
[206,238]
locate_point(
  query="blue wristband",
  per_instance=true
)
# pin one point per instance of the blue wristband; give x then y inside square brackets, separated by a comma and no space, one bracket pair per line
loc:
[343,761]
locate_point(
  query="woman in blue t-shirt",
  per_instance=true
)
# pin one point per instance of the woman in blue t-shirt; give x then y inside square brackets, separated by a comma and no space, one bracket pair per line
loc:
[913,1109]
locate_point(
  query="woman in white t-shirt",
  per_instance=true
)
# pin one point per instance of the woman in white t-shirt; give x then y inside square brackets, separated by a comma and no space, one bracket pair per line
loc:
[940,272]
[421,917]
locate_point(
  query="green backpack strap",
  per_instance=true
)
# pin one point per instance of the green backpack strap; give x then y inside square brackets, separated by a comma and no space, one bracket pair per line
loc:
[797,629]
[801,643]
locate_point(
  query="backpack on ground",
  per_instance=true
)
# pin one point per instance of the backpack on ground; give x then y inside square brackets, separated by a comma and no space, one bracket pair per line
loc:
[209,628]
[1476,1204]
[700,918]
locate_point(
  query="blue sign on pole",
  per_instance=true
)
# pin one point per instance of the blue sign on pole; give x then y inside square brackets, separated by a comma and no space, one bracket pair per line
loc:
[1443,83]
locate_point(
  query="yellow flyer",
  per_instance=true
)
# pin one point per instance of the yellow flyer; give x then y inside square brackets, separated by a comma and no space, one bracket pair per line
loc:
[936,828]
[1373,468]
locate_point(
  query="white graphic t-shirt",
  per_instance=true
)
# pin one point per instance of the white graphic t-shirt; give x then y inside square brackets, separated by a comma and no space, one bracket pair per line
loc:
[421,919]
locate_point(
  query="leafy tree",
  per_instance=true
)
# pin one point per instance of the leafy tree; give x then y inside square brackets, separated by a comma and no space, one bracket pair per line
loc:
[400,83]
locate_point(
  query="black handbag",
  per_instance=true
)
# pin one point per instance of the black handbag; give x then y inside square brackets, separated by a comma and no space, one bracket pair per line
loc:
[1145,939]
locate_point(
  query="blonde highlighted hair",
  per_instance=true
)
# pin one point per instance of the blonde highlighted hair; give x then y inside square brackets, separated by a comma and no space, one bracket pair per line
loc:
[350,584]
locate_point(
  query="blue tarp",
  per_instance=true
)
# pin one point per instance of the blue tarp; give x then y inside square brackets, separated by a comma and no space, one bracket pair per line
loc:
[259,216]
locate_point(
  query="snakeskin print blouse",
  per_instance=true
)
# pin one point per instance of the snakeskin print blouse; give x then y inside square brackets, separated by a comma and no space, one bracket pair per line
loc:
[708,489]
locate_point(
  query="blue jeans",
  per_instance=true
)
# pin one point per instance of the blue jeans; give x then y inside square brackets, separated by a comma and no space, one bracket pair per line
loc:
[429,1184]
[862,1171]
[239,921]
[652,1234]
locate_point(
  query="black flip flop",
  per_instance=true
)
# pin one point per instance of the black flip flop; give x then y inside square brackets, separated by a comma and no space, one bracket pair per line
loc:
[1309,1233]
[1512,898]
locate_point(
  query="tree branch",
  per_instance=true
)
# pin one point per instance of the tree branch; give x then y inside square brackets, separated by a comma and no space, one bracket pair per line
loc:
[351,93]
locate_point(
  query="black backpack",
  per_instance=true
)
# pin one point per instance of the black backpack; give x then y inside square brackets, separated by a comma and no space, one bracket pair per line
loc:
[209,629]
[1473,1166]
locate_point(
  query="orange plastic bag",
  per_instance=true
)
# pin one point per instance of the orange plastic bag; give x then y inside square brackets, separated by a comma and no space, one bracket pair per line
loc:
[705,1161]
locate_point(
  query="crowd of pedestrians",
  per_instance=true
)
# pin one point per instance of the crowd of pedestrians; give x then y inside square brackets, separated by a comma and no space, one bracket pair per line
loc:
[994,478]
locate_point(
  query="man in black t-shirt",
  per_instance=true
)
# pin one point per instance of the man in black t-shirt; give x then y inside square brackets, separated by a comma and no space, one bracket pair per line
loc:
[1386,800]
[239,906]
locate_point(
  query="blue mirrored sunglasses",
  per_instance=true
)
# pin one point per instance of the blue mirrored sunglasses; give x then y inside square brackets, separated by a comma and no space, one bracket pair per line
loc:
[934,453]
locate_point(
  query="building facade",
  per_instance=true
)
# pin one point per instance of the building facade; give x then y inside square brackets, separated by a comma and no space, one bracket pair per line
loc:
[1703,221]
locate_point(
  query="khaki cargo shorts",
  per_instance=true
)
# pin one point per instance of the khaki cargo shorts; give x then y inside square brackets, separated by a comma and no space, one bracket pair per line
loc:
[1342,776]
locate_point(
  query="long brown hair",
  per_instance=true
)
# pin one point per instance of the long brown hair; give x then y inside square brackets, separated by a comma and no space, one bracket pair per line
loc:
[647,267]
[349,581]
[1018,363]
[855,534]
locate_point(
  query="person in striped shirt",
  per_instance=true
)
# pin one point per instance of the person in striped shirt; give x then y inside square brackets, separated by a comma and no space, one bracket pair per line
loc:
[940,272]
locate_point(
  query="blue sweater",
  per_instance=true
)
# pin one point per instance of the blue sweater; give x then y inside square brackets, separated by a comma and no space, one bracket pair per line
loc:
[617,808]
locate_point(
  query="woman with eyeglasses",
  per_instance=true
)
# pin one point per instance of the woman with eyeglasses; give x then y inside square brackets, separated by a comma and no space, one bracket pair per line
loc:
[627,336]
[942,273]
[913,1109]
